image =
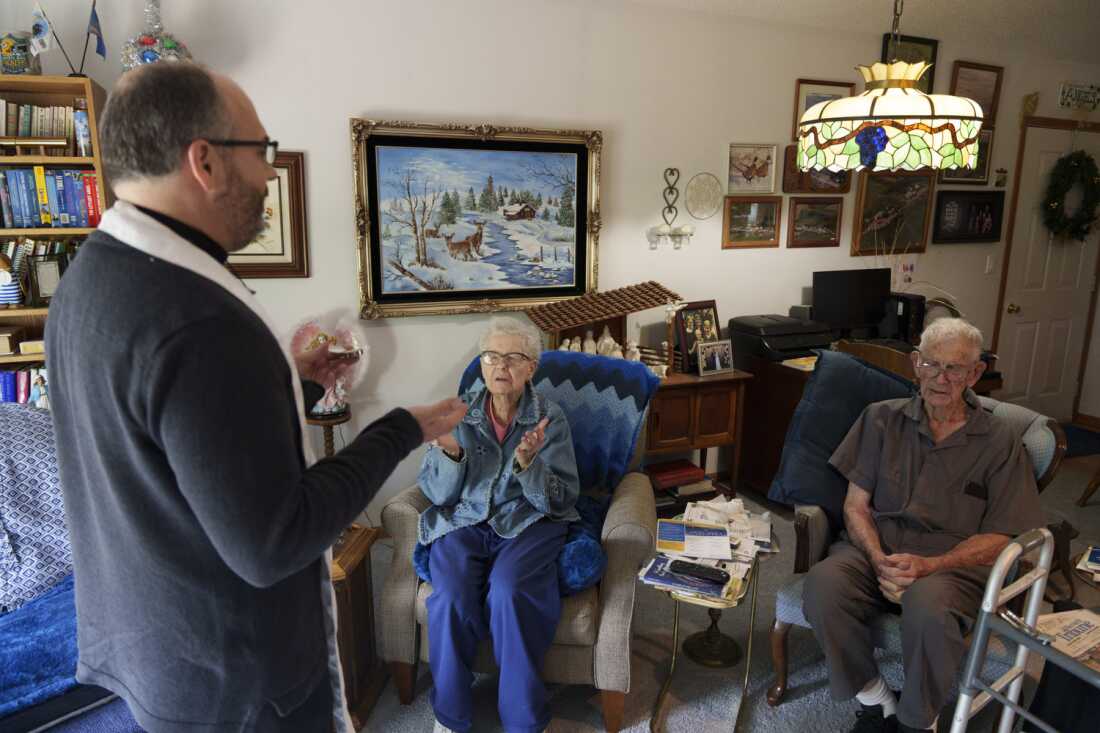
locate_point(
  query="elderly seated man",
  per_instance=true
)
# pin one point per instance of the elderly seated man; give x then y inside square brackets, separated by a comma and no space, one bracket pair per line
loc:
[936,488]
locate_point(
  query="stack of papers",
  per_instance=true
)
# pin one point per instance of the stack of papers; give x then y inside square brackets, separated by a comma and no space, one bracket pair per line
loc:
[1090,563]
[693,539]
[748,533]
[658,575]
[1076,634]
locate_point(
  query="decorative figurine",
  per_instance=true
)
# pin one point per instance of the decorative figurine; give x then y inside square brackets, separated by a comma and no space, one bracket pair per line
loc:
[576,345]
[153,44]
[589,345]
[632,353]
[16,56]
[564,345]
[604,344]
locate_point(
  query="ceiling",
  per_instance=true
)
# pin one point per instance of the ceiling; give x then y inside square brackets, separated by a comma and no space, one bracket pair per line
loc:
[1062,30]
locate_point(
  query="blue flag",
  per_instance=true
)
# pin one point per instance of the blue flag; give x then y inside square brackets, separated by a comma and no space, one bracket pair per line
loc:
[95,30]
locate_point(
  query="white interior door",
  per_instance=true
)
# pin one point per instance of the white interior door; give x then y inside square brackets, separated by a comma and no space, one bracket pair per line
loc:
[1048,290]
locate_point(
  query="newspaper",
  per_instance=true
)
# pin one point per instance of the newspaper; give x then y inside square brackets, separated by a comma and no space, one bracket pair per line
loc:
[694,539]
[1076,634]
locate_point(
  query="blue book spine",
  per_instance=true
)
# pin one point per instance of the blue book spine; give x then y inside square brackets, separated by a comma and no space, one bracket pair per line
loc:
[7,387]
[74,194]
[5,202]
[34,216]
[51,197]
[18,206]
[63,212]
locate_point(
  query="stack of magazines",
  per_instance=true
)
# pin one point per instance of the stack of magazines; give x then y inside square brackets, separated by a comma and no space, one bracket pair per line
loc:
[658,574]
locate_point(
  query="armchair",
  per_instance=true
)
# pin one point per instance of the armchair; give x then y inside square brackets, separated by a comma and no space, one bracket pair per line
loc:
[592,642]
[816,525]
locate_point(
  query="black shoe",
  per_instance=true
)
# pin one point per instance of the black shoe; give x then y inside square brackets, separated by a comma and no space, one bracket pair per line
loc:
[869,720]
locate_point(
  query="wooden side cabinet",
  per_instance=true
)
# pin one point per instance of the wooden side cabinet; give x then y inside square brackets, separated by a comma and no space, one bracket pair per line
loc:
[364,673]
[690,412]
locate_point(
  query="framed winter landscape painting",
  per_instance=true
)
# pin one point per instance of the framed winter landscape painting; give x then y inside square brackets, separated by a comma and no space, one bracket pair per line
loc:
[473,219]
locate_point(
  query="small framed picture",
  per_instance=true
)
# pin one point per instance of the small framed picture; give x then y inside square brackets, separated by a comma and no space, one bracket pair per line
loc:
[752,168]
[751,221]
[808,92]
[978,176]
[815,181]
[696,322]
[714,357]
[914,49]
[968,216]
[282,248]
[45,275]
[814,222]
[982,83]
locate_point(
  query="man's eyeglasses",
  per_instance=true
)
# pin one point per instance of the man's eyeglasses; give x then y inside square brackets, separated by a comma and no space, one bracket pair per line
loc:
[495,358]
[932,369]
[271,147]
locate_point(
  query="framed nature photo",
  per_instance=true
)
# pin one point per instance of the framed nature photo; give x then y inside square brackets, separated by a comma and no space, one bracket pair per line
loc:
[977,176]
[464,219]
[815,181]
[696,322]
[808,92]
[968,216]
[814,222]
[893,211]
[714,357]
[752,168]
[281,249]
[751,221]
[45,275]
[982,83]
[914,49]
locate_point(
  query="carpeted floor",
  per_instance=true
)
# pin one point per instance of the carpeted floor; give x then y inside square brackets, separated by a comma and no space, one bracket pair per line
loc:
[1081,441]
[702,699]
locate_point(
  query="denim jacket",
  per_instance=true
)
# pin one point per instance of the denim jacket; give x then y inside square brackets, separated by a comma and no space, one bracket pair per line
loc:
[487,485]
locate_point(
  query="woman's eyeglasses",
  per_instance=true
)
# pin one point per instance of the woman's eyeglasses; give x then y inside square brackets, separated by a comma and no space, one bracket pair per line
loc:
[495,358]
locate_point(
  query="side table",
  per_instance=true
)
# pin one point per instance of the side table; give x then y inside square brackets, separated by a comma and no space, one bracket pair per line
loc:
[327,424]
[364,673]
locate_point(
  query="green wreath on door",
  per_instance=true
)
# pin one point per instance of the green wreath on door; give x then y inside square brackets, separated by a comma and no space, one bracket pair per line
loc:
[1076,168]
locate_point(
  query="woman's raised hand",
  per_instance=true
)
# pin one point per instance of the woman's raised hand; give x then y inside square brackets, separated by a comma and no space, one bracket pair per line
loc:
[530,444]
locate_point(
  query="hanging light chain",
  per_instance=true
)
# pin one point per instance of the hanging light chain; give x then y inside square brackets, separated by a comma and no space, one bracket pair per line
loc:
[895,30]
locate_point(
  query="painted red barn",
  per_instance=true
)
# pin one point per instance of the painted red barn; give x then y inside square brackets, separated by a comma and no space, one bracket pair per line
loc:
[519,211]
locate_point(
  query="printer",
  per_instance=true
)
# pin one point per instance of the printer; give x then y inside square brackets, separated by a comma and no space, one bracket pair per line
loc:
[775,338]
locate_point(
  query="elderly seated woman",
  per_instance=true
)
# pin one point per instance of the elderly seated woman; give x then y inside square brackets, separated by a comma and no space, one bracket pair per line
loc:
[936,488]
[503,487]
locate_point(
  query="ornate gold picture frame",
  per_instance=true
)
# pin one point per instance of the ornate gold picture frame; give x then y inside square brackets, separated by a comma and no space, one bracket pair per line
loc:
[454,218]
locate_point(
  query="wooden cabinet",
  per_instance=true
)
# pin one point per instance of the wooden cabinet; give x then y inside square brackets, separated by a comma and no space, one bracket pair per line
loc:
[364,673]
[689,413]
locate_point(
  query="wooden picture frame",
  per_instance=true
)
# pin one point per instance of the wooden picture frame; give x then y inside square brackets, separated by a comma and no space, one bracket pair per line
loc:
[893,212]
[282,249]
[751,168]
[968,216]
[44,275]
[714,357]
[973,177]
[534,243]
[751,221]
[982,83]
[814,222]
[695,322]
[816,181]
[808,92]
[913,49]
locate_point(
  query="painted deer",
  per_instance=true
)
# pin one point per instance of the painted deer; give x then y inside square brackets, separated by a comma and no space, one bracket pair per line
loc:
[431,233]
[461,248]
[475,238]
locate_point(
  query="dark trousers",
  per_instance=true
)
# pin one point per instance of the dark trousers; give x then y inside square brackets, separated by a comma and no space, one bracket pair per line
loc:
[484,586]
[840,600]
[315,714]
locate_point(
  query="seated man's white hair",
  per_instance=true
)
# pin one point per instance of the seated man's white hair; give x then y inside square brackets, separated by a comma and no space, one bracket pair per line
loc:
[943,330]
[508,326]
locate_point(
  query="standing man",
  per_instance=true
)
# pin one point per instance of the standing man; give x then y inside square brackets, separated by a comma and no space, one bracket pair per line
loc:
[199,526]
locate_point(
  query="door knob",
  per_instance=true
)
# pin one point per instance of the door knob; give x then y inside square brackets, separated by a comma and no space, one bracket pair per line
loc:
[1013,308]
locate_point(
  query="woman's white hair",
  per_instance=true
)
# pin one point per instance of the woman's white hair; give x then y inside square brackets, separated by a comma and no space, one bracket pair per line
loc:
[943,330]
[507,326]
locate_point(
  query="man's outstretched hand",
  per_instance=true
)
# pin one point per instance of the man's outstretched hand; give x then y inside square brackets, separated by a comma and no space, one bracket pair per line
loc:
[440,418]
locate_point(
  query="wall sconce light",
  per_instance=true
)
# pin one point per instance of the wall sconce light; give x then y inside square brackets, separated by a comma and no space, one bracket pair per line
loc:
[667,233]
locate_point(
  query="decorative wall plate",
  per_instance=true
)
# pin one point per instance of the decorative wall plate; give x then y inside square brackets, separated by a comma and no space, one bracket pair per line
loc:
[703,195]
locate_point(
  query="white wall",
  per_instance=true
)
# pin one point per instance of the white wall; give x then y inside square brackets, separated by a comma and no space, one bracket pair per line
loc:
[666,87]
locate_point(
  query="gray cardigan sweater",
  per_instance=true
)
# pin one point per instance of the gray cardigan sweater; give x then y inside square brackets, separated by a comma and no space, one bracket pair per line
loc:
[197,531]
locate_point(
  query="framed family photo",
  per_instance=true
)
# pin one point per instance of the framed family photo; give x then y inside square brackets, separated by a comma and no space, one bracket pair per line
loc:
[696,322]
[968,216]
[808,92]
[472,219]
[45,276]
[913,49]
[714,357]
[893,211]
[751,221]
[982,83]
[752,168]
[281,249]
[814,222]
[977,176]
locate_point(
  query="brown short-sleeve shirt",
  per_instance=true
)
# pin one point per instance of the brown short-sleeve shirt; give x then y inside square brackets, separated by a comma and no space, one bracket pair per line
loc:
[927,498]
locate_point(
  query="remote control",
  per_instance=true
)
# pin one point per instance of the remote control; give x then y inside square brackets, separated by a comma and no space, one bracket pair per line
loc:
[705,572]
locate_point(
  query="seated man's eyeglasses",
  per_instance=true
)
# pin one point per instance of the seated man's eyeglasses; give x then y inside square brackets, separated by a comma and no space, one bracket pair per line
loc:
[271,147]
[932,369]
[510,360]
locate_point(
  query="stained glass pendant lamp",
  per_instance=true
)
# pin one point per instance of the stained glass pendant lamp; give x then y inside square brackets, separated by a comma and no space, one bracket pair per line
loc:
[892,125]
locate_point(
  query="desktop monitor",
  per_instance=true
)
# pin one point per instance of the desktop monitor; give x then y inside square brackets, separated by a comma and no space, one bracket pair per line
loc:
[851,300]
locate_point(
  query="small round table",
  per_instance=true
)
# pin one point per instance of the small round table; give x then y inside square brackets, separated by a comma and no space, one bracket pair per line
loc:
[326,424]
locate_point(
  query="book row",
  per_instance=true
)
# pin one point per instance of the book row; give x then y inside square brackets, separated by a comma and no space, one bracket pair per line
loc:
[25,386]
[31,121]
[40,197]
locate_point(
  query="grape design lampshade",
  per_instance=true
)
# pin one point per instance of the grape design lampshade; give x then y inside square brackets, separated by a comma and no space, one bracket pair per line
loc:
[891,126]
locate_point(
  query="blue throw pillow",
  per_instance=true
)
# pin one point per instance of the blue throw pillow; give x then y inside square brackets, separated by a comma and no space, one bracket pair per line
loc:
[840,387]
[581,562]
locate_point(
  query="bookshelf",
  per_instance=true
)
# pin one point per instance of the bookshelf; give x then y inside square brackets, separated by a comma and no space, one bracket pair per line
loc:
[52,151]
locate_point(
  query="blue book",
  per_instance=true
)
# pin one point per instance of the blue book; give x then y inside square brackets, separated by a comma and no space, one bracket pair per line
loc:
[659,574]
[74,196]
[5,202]
[17,193]
[7,387]
[82,133]
[30,197]
[63,216]
[54,203]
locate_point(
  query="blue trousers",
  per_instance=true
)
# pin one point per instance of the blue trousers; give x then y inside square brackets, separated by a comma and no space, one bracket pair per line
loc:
[484,585]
